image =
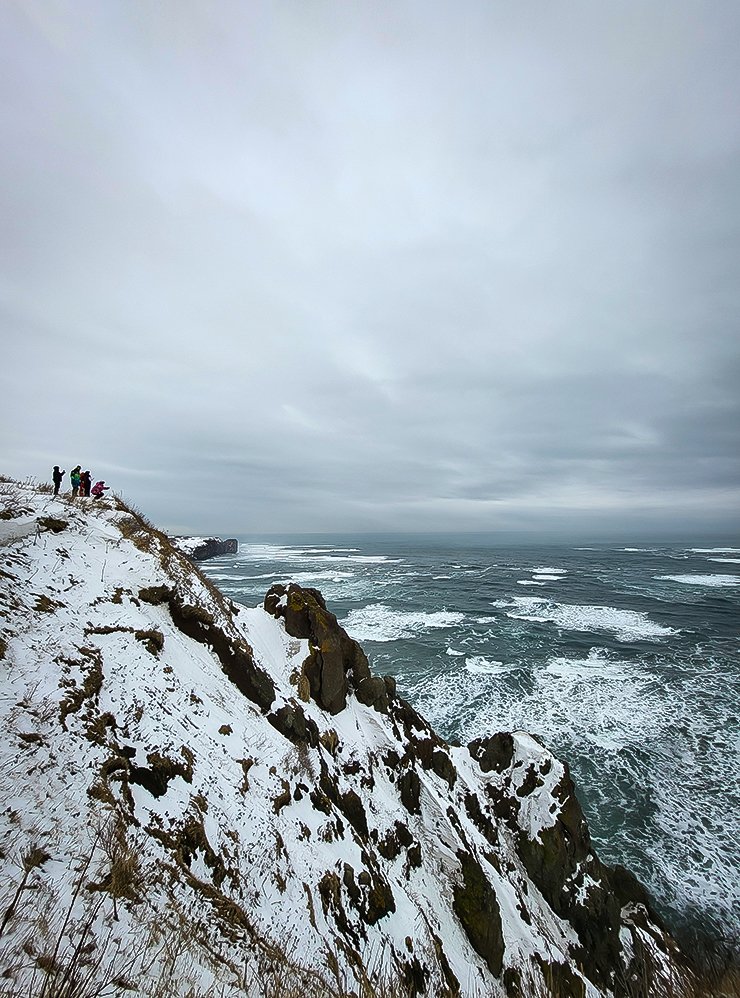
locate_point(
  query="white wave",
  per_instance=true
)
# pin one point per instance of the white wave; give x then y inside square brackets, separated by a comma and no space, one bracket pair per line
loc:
[287,552]
[330,550]
[476,663]
[596,666]
[334,575]
[455,654]
[625,625]
[727,561]
[436,578]
[529,582]
[715,550]
[715,581]
[230,577]
[378,622]
[550,571]
[547,577]
[486,620]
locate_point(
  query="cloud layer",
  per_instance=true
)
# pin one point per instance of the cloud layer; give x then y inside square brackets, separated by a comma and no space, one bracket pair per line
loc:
[338,266]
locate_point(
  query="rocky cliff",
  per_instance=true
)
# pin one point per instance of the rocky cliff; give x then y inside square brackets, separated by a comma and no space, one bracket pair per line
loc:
[202,548]
[202,797]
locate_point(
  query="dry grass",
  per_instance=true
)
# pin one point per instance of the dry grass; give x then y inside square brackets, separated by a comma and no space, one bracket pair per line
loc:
[145,536]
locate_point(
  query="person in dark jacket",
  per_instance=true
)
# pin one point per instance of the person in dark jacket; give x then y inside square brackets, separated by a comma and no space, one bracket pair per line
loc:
[74,477]
[57,476]
[85,483]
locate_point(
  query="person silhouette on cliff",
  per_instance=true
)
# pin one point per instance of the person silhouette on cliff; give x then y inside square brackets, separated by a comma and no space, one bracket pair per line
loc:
[98,489]
[57,477]
[74,477]
[85,483]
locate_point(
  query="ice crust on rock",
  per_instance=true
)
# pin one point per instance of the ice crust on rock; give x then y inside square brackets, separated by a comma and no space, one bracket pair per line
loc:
[240,781]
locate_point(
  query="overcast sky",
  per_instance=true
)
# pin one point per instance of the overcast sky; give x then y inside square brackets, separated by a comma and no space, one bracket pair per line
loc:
[327,265]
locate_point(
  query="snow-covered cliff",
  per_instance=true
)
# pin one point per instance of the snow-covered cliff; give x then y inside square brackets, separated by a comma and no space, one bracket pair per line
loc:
[204,796]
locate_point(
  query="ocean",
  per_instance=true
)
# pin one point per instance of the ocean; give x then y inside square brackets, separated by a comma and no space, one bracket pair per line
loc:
[624,661]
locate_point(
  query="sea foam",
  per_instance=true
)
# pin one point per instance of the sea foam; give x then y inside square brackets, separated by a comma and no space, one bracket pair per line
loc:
[625,625]
[378,622]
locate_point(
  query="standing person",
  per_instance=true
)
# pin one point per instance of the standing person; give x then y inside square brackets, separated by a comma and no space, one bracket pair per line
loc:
[98,489]
[57,476]
[85,483]
[74,477]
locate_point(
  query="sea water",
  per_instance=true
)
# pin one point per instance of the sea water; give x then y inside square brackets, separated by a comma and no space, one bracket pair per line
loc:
[624,661]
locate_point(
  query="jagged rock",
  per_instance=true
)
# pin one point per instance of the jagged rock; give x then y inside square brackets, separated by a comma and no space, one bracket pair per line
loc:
[410,789]
[477,908]
[335,661]
[351,806]
[374,693]
[380,900]
[494,752]
[292,722]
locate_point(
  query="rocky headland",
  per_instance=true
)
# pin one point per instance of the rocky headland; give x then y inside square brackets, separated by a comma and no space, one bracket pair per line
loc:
[202,548]
[206,798]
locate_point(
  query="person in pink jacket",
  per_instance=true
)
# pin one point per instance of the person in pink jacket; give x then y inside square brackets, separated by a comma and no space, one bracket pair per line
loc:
[98,489]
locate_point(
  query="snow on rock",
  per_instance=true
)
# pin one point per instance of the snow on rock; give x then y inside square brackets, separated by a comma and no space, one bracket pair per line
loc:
[201,793]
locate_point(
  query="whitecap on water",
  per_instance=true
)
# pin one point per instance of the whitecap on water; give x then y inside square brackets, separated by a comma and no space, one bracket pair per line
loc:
[716,581]
[727,561]
[625,625]
[319,574]
[529,582]
[476,663]
[455,654]
[378,622]
[715,550]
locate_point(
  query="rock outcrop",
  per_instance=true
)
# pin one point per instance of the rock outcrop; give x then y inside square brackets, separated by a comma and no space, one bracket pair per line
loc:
[336,662]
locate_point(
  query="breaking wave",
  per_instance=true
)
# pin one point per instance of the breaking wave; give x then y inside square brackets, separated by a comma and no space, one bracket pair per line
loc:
[625,625]
[379,622]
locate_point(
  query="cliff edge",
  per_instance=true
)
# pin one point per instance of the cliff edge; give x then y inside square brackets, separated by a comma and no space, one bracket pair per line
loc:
[202,797]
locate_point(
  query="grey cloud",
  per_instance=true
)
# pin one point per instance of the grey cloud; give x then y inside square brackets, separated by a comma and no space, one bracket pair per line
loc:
[339,266]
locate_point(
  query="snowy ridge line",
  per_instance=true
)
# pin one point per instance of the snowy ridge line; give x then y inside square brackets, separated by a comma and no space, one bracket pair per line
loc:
[249,800]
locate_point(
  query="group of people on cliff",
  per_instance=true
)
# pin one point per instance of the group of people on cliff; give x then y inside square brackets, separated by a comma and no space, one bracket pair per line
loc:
[80,481]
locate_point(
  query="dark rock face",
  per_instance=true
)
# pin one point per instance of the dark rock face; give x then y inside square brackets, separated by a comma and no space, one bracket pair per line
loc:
[210,548]
[410,789]
[336,662]
[559,859]
[493,753]
[476,906]
[293,723]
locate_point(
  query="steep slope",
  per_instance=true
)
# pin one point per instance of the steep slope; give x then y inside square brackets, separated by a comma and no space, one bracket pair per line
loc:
[200,795]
